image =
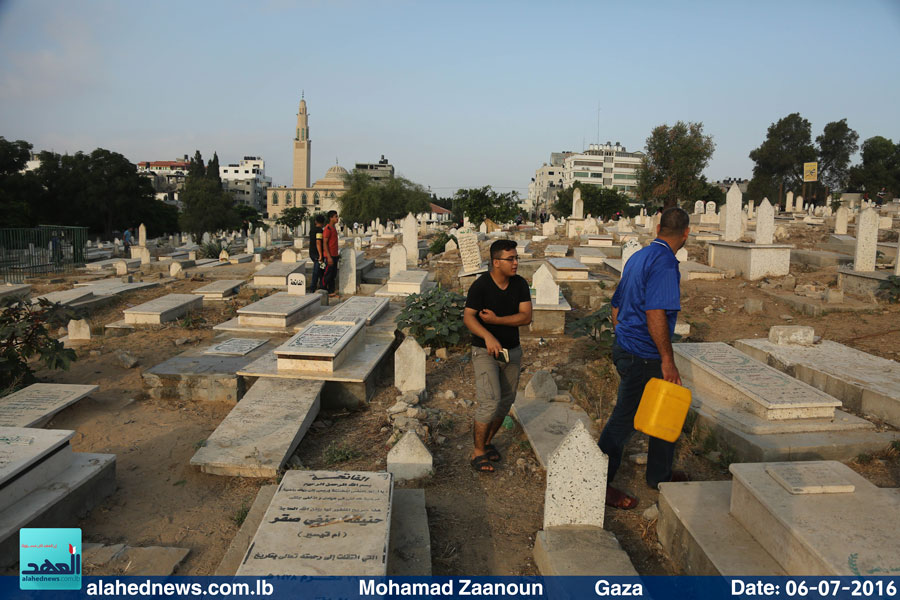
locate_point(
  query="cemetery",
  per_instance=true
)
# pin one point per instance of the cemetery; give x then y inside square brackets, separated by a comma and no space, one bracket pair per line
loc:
[222,412]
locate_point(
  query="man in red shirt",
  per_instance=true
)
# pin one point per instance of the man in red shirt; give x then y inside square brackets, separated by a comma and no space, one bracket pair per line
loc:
[332,254]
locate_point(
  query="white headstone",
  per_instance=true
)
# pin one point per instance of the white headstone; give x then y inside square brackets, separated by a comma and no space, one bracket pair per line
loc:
[798,204]
[409,366]
[142,235]
[866,241]
[765,223]
[250,247]
[411,240]
[144,253]
[789,202]
[733,214]
[121,268]
[347,272]
[450,245]
[398,259]
[591,227]
[175,269]
[289,256]
[576,481]
[699,207]
[79,330]
[577,205]
[541,386]
[546,289]
[628,248]
[710,208]
[469,252]
[205,237]
[409,458]
[296,284]
[840,221]
[357,243]
[682,254]
[482,228]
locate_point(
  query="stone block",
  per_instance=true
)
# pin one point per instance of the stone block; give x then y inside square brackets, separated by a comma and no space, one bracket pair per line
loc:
[79,330]
[576,481]
[409,366]
[541,386]
[409,458]
[580,550]
[410,550]
[753,306]
[792,334]
[37,403]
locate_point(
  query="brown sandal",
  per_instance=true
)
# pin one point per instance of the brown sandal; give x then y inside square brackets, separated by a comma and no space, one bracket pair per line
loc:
[619,499]
[482,464]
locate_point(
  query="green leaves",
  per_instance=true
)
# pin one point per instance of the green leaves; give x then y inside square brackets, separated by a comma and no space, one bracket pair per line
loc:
[24,333]
[598,326]
[675,159]
[434,318]
[890,289]
[392,199]
[484,203]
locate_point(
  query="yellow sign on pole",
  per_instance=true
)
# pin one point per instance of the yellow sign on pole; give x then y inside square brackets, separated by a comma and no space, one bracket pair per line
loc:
[810,171]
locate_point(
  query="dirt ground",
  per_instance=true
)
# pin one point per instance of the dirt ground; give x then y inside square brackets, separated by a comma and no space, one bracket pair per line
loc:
[479,524]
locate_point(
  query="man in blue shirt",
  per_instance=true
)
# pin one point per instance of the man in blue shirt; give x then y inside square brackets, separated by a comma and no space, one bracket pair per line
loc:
[644,308]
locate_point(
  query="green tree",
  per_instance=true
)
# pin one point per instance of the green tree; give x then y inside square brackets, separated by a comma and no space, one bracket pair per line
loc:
[248,216]
[879,170]
[779,159]
[484,203]
[206,206]
[25,333]
[17,190]
[365,200]
[292,217]
[710,192]
[671,170]
[212,169]
[836,145]
[599,202]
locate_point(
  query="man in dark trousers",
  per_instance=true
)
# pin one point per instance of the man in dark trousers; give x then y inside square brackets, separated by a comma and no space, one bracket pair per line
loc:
[315,251]
[644,308]
[499,302]
[331,251]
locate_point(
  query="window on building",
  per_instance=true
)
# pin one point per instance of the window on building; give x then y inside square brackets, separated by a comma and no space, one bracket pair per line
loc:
[599,175]
[274,197]
[607,169]
[316,199]
[287,198]
[624,176]
[582,174]
[303,199]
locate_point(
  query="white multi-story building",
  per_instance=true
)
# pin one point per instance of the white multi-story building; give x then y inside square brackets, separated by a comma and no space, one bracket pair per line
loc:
[247,181]
[546,183]
[167,177]
[379,171]
[608,165]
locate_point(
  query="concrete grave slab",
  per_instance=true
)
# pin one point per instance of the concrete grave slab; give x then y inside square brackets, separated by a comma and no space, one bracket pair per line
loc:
[37,403]
[220,289]
[236,346]
[580,550]
[162,310]
[568,269]
[358,307]
[811,478]
[274,275]
[547,423]
[410,548]
[279,310]
[556,250]
[156,561]
[321,346]
[354,506]
[262,430]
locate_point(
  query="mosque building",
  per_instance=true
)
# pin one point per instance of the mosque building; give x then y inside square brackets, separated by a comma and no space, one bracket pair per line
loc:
[322,195]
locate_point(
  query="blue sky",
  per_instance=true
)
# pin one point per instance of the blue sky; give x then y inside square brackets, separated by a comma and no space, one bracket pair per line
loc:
[454,94]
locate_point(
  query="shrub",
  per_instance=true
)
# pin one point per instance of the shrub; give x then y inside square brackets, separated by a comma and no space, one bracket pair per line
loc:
[213,249]
[337,453]
[434,318]
[439,241]
[598,326]
[24,333]
[890,289]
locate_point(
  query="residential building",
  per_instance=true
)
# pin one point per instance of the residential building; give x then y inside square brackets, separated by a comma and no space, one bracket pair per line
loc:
[545,184]
[376,171]
[725,184]
[319,197]
[247,181]
[608,165]
[167,177]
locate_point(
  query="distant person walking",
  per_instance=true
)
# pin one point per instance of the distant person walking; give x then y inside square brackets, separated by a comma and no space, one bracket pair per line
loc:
[316,254]
[644,309]
[127,239]
[332,253]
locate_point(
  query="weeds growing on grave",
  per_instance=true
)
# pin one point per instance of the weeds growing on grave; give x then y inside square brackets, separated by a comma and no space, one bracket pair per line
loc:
[213,249]
[598,327]
[445,424]
[434,318]
[336,453]
[199,444]
[25,333]
[864,458]
[191,321]
[440,240]
[241,514]
[890,289]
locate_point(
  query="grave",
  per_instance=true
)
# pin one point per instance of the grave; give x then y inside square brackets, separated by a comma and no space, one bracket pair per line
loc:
[398,259]
[46,484]
[781,518]
[275,312]
[546,423]
[262,430]
[573,541]
[36,404]
[863,279]
[411,240]
[556,250]
[691,270]
[203,374]
[347,275]
[15,290]
[240,258]
[750,261]
[409,458]
[65,297]
[368,309]
[354,508]
[321,346]
[549,305]
[763,414]
[274,275]
[599,241]
[114,287]
[220,289]
[862,382]
[470,255]
[409,366]
[564,269]
[405,283]
[162,310]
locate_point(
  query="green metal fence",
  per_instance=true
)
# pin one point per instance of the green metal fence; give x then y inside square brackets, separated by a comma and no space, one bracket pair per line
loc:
[44,250]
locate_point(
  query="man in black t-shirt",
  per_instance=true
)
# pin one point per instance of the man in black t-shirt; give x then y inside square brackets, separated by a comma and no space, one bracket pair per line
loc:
[315,251]
[499,302]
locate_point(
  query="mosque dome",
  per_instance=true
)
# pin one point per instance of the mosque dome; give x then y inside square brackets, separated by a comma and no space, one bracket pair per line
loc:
[336,172]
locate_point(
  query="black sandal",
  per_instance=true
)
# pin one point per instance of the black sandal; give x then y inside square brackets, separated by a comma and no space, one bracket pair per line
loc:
[492,453]
[482,464]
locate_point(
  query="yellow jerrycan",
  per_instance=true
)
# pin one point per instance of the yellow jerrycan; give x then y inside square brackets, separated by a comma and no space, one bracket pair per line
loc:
[663,409]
